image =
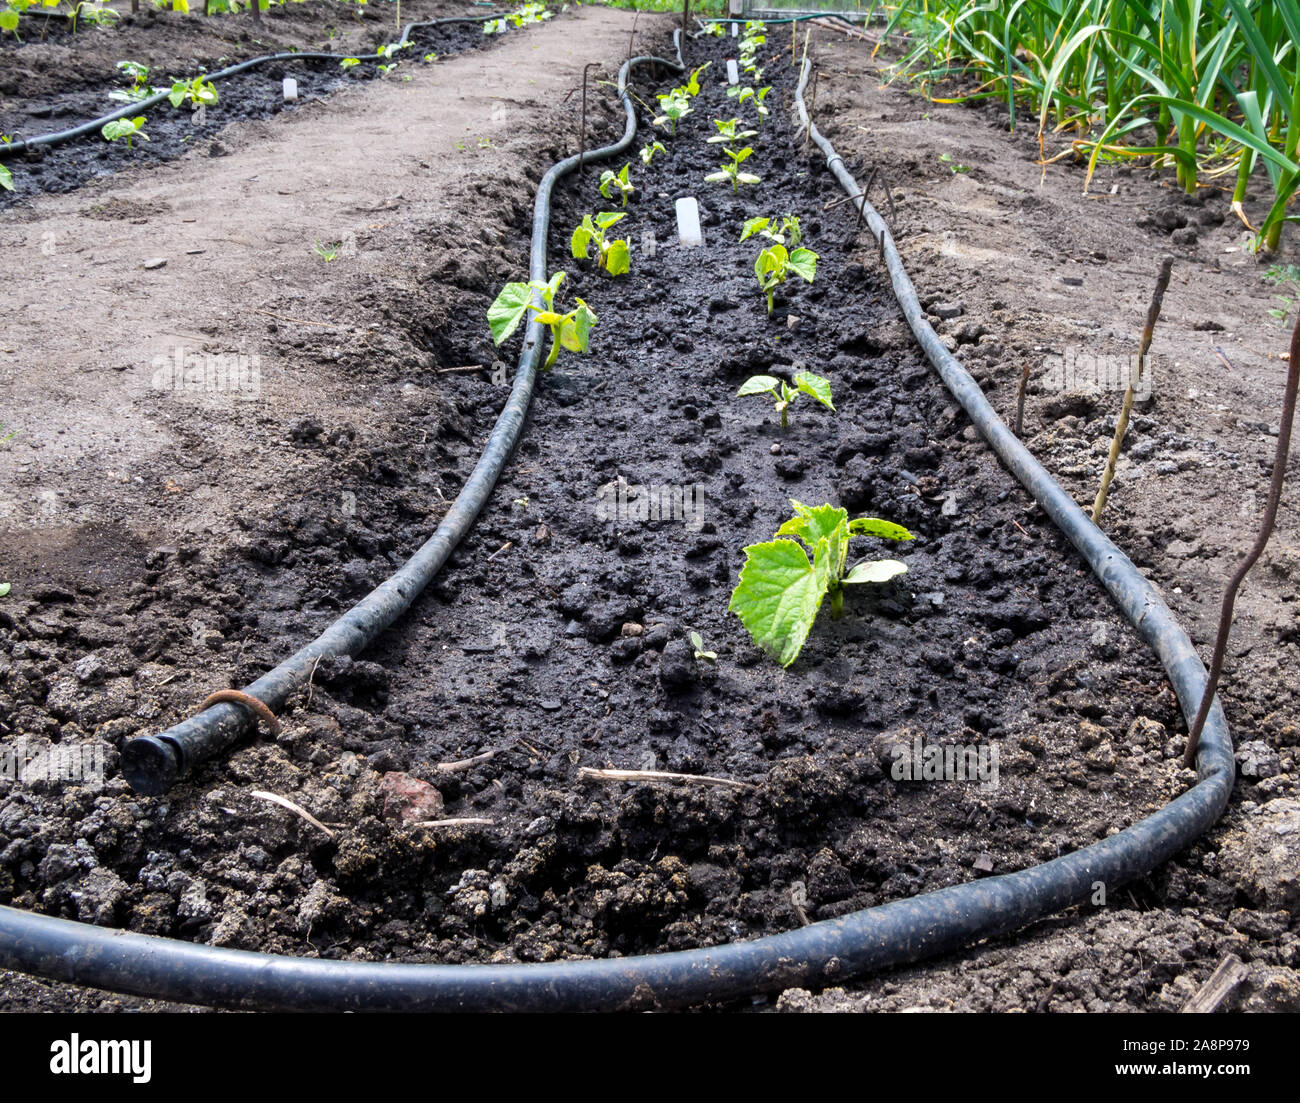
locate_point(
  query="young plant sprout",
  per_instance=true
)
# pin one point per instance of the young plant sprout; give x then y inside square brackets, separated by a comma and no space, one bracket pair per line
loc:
[611,181]
[329,252]
[125,128]
[777,261]
[5,587]
[697,642]
[673,107]
[6,179]
[780,590]
[782,394]
[729,132]
[611,255]
[199,92]
[784,232]
[731,172]
[571,331]
[649,150]
[350,62]
[692,86]
[139,89]
[747,94]
[529,13]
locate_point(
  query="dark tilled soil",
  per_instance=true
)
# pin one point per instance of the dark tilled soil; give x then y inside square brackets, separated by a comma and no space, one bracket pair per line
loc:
[997,636]
[172,132]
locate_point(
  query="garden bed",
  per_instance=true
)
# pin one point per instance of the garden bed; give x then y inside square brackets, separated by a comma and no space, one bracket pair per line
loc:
[997,637]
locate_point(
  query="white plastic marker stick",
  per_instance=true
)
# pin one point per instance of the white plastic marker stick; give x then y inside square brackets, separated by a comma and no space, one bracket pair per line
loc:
[688,222]
[733,73]
[735,30]
[290,90]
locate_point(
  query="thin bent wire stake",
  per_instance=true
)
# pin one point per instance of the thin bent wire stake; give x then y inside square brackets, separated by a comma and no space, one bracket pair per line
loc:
[582,138]
[1121,426]
[1265,531]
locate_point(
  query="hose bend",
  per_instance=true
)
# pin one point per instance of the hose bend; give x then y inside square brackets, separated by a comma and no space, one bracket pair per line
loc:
[891,934]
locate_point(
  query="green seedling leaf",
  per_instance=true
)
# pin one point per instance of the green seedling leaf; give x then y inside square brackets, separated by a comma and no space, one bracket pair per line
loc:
[617,258]
[803,262]
[6,178]
[505,314]
[648,151]
[816,386]
[780,591]
[759,384]
[5,587]
[575,328]
[777,597]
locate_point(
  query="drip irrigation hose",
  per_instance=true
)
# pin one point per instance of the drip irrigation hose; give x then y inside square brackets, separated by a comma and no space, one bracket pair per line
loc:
[891,934]
[57,137]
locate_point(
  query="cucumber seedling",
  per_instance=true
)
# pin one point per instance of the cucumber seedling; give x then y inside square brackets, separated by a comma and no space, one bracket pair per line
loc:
[697,642]
[571,331]
[782,394]
[778,260]
[611,181]
[125,128]
[140,88]
[731,173]
[692,86]
[199,92]
[729,132]
[747,94]
[786,231]
[780,589]
[649,150]
[673,107]
[611,255]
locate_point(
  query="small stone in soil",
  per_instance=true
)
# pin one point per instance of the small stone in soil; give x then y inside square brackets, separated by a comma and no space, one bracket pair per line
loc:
[155,262]
[677,667]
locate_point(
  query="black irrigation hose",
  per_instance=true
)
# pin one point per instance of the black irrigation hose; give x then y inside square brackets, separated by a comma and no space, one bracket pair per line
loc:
[892,934]
[57,137]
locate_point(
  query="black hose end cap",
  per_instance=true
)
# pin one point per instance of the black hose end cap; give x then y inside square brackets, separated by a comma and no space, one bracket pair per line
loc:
[150,765]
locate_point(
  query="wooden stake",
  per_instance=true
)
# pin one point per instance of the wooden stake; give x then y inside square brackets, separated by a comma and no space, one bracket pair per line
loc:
[1126,409]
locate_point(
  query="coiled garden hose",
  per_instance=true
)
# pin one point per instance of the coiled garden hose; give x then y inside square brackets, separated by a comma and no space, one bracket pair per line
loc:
[21,145]
[821,953]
